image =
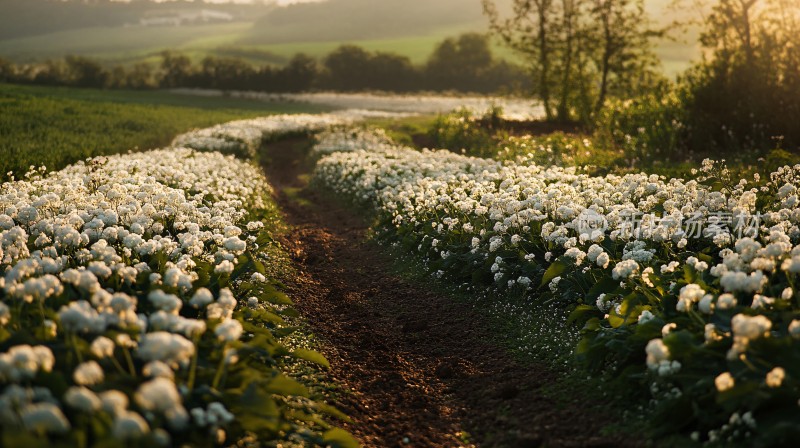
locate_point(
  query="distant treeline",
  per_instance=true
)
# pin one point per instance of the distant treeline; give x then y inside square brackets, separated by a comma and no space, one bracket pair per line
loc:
[463,64]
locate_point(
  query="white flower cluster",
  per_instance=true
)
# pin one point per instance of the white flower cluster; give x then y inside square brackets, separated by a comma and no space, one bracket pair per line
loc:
[242,138]
[350,139]
[117,243]
[476,208]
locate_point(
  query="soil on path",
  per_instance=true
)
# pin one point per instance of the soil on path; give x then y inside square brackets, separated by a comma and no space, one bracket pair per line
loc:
[418,368]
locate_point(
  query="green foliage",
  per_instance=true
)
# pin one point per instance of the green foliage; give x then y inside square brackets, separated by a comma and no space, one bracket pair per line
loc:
[460,132]
[467,64]
[351,68]
[48,127]
[648,128]
[747,95]
[581,52]
[487,137]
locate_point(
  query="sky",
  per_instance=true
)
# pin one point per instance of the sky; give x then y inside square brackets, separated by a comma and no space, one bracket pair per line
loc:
[245,2]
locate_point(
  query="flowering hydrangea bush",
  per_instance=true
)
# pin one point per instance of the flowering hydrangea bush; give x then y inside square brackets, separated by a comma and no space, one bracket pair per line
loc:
[348,138]
[243,138]
[691,282]
[135,306]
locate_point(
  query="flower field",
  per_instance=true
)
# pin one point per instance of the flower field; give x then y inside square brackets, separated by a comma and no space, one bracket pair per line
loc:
[138,305]
[687,288]
[139,302]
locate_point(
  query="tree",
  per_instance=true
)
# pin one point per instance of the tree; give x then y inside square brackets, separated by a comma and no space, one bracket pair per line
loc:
[351,68]
[224,73]
[747,94]
[176,70]
[391,72]
[8,71]
[84,72]
[347,68]
[299,74]
[579,51]
[460,63]
[140,76]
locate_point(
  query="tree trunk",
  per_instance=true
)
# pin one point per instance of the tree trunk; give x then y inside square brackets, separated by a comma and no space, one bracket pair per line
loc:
[563,107]
[544,59]
[608,48]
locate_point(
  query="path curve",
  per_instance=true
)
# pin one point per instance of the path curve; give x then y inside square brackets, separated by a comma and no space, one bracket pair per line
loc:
[420,368]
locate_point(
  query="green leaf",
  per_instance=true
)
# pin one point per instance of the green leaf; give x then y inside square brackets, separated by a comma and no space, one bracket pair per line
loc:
[22,438]
[579,312]
[604,286]
[312,356]
[332,411]
[555,269]
[283,385]
[339,438]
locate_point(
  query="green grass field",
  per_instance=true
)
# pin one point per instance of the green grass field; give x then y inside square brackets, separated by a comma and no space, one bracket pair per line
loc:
[133,44]
[58,126]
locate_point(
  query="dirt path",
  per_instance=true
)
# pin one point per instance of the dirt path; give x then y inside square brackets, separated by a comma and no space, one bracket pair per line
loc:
[420,366]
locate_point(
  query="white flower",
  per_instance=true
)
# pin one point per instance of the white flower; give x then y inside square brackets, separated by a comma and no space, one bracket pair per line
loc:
[172,349]
[760,301]
[576,254]
[102,347]
[706,304]
[625,269]
[594,251]
[670,267]
[603,260]
[646,317]
[224,267]
[88,373]
[82,399]
[746,328]
[726,301]
[201,298]
[159,395]
[740,281]
[646,277]
[44,417]
[129,425]
[689,294]
[156,369]
[711,334]
[553,285]
[657,352]
[234,245]
[169,303]
[775,377]
[5,314]
[229,330]
[750,327]
[113,401]
[50,328]
[724,382]
[794,328]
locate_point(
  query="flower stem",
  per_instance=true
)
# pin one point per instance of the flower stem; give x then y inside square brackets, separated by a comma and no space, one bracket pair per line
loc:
[193,368]
[129,360]
[220,368]
[74,338]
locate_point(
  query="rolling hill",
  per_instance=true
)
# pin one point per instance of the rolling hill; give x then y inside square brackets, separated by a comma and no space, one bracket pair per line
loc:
[34,30]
